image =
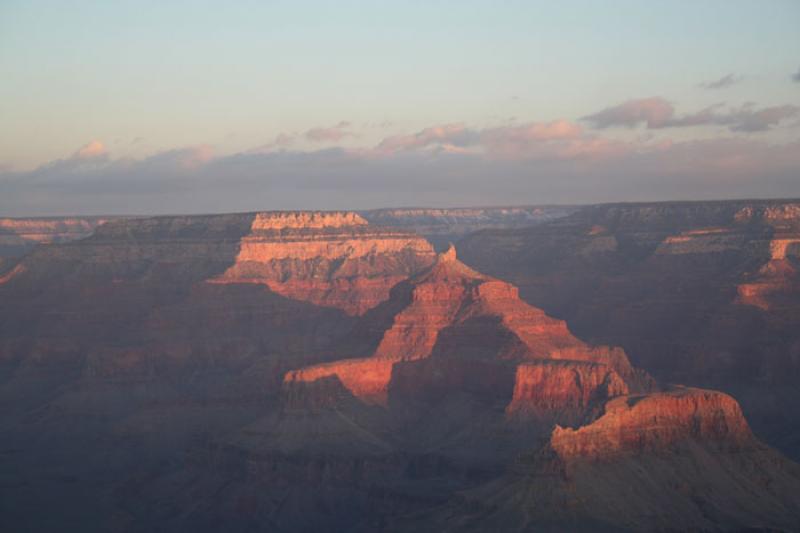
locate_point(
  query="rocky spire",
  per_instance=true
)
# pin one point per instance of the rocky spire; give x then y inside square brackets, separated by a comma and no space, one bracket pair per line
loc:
[448,256]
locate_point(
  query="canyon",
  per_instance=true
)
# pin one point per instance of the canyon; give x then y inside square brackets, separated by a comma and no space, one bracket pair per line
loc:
[330,371]
[699,293]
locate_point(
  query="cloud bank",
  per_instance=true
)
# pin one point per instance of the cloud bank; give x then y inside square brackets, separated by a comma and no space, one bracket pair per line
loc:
[441,165]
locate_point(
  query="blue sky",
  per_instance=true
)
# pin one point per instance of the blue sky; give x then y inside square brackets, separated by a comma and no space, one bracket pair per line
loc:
[143,79]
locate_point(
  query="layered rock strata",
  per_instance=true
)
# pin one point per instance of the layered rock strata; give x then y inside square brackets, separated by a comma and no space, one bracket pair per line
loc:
[330,259]
[472,326]
[655,423]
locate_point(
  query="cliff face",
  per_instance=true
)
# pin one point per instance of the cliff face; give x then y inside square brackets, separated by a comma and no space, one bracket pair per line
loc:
[164,293]
[700,293]
[130,250]
[654,424]
[449,304]
[684,460]
[567,392]
[330,259]
[465,339]
[19,236]
[47,230]
[712,475]
[777,277]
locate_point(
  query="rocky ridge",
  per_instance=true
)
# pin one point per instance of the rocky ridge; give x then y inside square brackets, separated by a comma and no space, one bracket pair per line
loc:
[447,301]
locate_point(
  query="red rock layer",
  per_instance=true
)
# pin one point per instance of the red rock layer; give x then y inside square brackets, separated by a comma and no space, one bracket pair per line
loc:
[775,276]
[365,378]
[562,390]
[613,357]
[449,303]
[329,259]
[436,297]
[540,333]
[654,422]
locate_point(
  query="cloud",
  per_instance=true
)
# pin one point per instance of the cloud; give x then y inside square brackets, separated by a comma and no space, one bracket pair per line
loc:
[749,119]
[746,118]
[534,131]
[654,112]
[533,140]
[91,150]
[722,83]
[796,76]
[657,113]
[445,134]
[538,162]
[332,134]
[285,140]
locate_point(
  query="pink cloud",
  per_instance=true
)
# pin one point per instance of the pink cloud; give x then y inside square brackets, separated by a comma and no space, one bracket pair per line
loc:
[529,139]
[91,150]
[452,134]
[534,140]
[534,131]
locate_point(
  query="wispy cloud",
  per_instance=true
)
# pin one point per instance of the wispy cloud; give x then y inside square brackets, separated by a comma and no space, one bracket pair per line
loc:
[658,113]
[796,76]
[285,140]
[532,140]
[654,112]
[749,119]
[330,134]
[723,82]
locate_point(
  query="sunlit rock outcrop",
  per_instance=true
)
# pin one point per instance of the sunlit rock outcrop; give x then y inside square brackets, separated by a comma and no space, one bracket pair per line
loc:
[328,258]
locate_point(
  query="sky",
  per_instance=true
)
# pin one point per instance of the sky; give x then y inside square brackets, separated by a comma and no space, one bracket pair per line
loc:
[183,107]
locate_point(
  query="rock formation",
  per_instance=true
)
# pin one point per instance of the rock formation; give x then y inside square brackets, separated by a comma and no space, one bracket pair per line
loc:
[564,391]
[19,236]
[330,259]
[700,293]
[776,276]
[447,303]
[47,230]
[655,423]
[311,371]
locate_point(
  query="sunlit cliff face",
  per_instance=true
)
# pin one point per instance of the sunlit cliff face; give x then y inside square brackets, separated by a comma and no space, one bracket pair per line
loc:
[330,259]
[448,297]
